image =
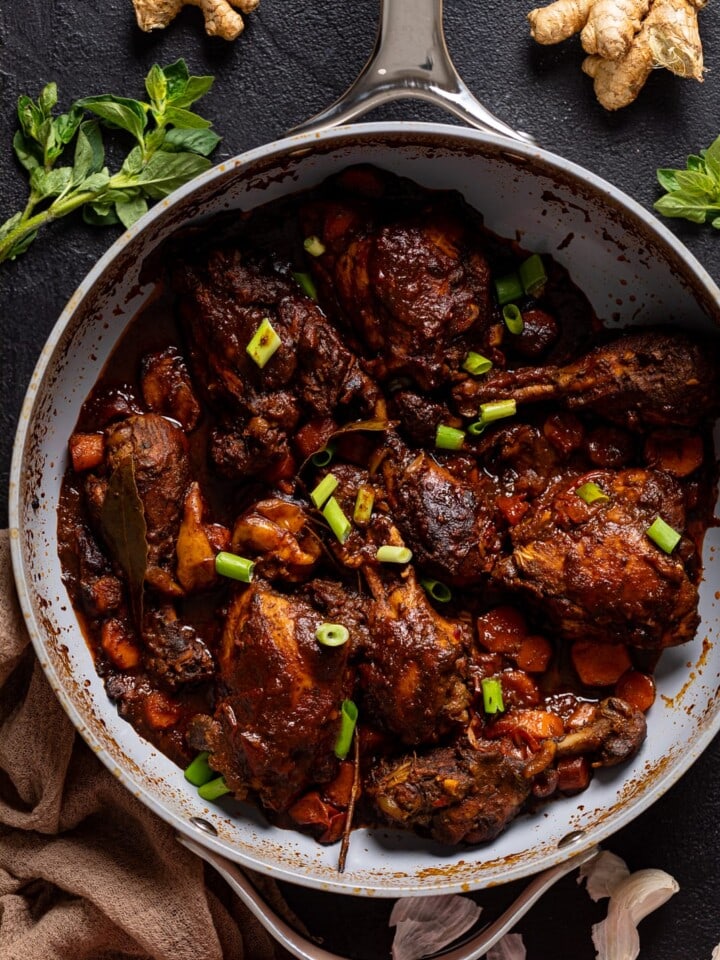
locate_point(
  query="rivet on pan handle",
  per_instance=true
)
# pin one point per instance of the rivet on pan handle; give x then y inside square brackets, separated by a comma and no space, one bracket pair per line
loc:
[410,59]
[299,946]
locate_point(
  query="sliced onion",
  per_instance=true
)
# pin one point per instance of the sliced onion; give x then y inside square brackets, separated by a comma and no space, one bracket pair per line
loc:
[425,925]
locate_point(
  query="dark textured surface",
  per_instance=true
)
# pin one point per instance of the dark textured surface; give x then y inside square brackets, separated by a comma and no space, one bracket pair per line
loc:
[293,60]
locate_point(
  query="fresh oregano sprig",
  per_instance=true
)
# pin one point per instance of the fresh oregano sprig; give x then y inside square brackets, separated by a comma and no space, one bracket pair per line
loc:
[693,193]
[172,145]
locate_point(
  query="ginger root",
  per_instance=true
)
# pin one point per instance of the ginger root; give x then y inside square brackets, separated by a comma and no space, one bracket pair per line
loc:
[625,40]
[220,18]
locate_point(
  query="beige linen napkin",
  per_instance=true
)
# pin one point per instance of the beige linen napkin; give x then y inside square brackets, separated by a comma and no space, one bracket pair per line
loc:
[85,870]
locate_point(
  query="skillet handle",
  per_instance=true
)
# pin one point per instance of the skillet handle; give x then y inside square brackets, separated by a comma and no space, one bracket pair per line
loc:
[410,59]
[304,949]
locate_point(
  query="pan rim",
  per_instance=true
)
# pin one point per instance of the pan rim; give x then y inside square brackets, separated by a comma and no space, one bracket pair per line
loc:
[692,271]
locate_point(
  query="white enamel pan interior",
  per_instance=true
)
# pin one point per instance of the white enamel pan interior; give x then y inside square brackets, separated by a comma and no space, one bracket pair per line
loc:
[632,269]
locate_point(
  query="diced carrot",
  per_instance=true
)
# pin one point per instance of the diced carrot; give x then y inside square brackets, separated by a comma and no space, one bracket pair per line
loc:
[637,688]
[677,453]
[531,725]
[519,690]
[564,431]
[339,790]
[534,654]
[513,508]
[86,450]
[314,435]
[160,710]
[502,630]
[118,645]
[281,469]
[599,664]
[573,774]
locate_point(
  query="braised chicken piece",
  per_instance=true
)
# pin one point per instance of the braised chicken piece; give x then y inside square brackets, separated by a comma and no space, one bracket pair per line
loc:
[445,513]
[224,297]
[505,600]
[593,571]
[147,454]
[463,793]
[174,653]
[647,378]
[413,284]
[278,713]
[276,534]
[413,675]
[468,791]
[167,388]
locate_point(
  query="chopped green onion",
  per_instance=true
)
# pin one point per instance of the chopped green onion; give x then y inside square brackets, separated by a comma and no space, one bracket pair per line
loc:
[348,721]
[214,789]
[448,438]
[532,275]
[508,288]
[323,457]
[496,410]
[332,634]
[237,568]
[591,493]
[492,695]
[476,364]
[199,771]
[323,490]
[513,318]
[663,535]
[391,554]
[264,343]
[339,523]
[364,503]
[476,428]
[437,590]
[305,282]
[314,246]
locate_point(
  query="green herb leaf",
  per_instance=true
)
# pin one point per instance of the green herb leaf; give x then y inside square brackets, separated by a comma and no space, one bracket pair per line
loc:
[693,193]
[131,210]
[100,215]
[156,84]
[173,144]
[165,172]
[195,88]
[186,119]
[27,151]
[118,112]
[195,141]
[122,522]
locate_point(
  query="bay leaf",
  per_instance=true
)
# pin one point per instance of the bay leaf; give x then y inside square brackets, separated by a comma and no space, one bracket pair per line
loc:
[122,521]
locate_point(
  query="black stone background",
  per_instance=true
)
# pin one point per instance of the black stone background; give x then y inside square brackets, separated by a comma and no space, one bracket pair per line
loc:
[294,59]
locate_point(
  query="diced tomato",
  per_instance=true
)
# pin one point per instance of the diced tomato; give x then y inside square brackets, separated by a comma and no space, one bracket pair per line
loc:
[513,508]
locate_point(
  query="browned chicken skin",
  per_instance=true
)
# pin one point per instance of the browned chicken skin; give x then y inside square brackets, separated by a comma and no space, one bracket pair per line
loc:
[646,378]
[412,288]
[447,519]
[277,718]
[198,662]
[225,297]
[413,674]
[592,569]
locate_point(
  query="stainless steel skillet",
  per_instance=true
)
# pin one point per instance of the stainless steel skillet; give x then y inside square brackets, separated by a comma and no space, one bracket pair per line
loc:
[632,269]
